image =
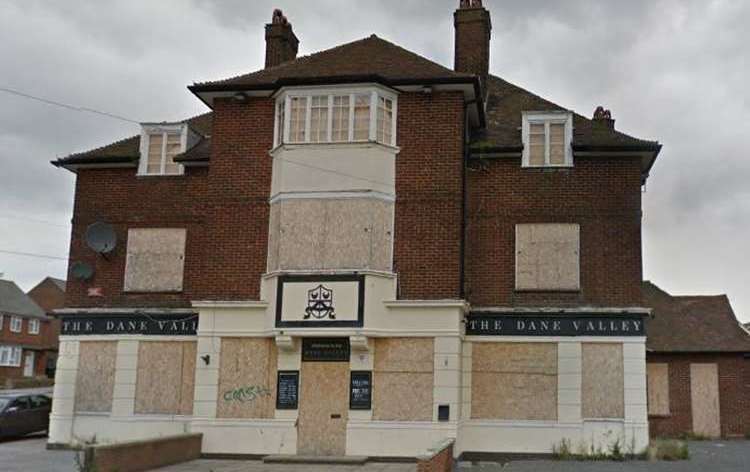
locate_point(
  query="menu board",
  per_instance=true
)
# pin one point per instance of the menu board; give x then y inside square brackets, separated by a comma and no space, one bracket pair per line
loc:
[360,391]
[287,390]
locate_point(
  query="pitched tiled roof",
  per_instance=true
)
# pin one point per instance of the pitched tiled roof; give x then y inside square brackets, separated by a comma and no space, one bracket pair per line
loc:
[59,282]
[14,302]
[692,323]
[127,151]
[506,102]
[368,57]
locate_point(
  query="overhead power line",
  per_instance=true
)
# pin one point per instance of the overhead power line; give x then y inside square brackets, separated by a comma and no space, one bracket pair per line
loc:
[65,105]
[34,220]
[32,254]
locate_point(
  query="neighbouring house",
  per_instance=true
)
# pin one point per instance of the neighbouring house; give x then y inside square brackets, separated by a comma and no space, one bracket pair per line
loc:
[698,364]
[24,335]
[360,252]
[49,294]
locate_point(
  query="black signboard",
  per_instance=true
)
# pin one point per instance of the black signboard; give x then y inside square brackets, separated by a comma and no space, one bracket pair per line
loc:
[484,324]
[360,390]
[287,390]
[185,324]
[325,349]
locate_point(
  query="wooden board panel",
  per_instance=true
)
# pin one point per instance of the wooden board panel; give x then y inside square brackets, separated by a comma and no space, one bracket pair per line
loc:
[403,379]
[189,353]
[247,378]
[323,409]
[704,397]
[95,382]
[404,354]
[658,389]
[514,381]
[603,383]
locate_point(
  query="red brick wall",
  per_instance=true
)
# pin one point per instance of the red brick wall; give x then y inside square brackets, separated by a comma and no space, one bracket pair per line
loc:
[441,462]
[734,394]
[427,236]
[602,195]
[224,209]
[25,339]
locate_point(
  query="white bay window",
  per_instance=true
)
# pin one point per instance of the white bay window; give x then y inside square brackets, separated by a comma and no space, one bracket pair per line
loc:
[336,116]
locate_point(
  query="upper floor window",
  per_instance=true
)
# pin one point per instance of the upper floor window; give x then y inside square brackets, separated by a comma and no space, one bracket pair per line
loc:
[336,116]
[1,323]
[155,259]
[547,138]
[159,146]
[33,326]
[16,324]
[547,257]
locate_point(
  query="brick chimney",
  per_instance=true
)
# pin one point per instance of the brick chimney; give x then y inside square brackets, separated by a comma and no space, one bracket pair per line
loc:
[281,43]
[602,122]
[473,32]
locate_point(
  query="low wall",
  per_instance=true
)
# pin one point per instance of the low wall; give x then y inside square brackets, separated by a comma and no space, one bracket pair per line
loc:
[144,455]
[438,459]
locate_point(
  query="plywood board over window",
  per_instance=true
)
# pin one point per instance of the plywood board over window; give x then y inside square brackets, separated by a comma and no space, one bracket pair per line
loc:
[165,378]
[403,379]
[704,398]
[603,387]
[247,378]
[658,389]
[95,381]
[514,381]
[155,259]
[547,257]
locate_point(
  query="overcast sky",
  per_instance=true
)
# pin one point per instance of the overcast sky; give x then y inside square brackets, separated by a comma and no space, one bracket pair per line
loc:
[676,71]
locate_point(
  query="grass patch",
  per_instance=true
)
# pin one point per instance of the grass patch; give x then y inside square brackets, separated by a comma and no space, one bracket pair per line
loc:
[668,450]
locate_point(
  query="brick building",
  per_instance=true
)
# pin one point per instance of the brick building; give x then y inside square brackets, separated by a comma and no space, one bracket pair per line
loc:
[360,252]
[27,339]
[698,364]
[49,294]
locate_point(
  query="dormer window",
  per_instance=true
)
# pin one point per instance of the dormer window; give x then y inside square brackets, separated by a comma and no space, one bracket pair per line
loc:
[336,116]
[547,138]
[160,144]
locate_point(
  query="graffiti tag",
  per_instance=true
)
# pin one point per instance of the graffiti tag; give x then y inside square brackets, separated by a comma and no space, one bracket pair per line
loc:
[246,394]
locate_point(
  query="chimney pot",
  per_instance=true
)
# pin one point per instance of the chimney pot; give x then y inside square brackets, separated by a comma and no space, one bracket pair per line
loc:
[281,43]
[602,119]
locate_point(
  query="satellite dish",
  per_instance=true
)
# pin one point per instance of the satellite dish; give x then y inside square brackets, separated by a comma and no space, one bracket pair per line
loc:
[101,237]
[82,271]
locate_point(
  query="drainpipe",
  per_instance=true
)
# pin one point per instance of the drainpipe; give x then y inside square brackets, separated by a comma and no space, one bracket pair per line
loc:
[464,162]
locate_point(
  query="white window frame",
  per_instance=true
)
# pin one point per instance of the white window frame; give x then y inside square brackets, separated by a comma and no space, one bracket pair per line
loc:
[34,326]
[147,130]
[281,136]
[546,118]
[16,324]
[10,356]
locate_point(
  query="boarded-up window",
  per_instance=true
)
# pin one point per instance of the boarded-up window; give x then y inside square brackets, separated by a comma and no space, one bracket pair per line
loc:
[403,379]
[514,381]
[658,389]
[155,260]
[166,378]
[547,257]
[603,389]
[247,378]
[95,381]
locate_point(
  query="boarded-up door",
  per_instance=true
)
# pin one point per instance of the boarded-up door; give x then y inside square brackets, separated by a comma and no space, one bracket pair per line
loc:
[704,396]
[323,409]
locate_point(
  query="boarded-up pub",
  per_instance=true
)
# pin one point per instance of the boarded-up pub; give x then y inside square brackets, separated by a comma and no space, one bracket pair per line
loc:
[360,252]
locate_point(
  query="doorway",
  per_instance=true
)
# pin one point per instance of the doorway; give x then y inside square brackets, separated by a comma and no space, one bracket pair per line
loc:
[28,365]
[704,397]
[323,409]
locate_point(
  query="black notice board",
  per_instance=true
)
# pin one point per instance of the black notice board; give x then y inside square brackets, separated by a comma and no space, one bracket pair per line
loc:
[360,390]
[325,349]
[287,390]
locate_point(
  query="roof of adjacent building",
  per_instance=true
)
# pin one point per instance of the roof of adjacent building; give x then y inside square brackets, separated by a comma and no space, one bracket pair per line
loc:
[684,324]
[13,301]
[61,284]
[375,59]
